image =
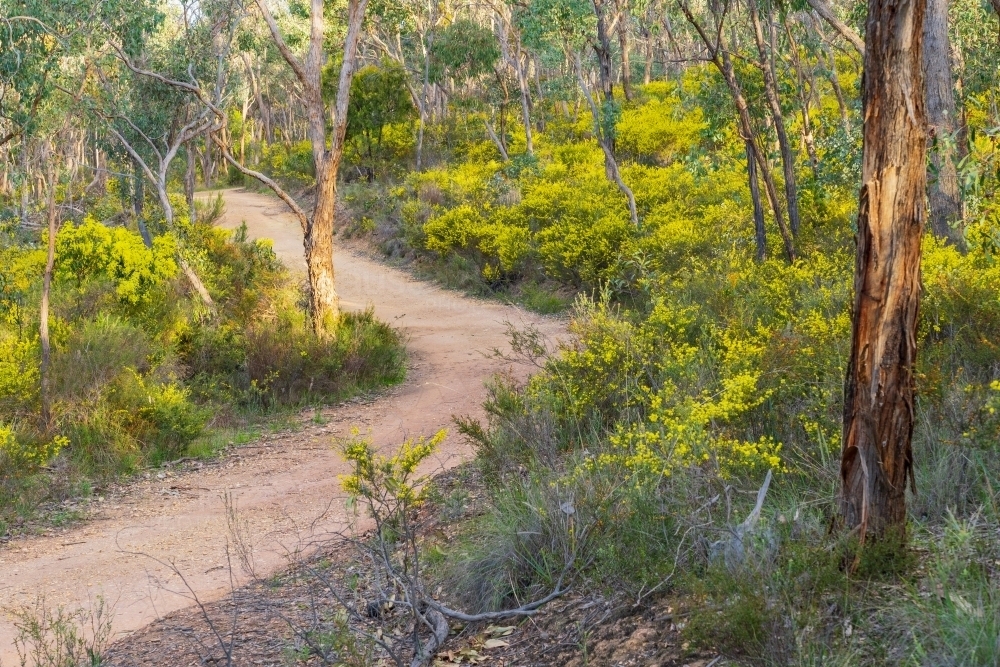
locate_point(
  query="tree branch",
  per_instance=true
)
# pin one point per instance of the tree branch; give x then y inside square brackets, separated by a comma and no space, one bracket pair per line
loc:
[279,41]
[845,30]
[303,218]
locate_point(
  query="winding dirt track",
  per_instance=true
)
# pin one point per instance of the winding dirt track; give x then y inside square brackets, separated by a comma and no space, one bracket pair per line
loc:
[283,482]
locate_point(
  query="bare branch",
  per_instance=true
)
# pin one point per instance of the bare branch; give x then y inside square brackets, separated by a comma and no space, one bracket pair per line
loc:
[279,41]
[303,218]
[845,30]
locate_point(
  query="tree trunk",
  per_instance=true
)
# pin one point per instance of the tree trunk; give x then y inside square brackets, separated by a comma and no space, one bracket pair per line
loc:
[610,163]
[805,97]
[719,55]
[422,107]
[514,62]
[24,182]
[623,44]
[877,459]
[942,189]
[838,92]
[324,303]
[746,130]
[496,140]
[540,116]
[647,70]
[766,53]
[189,183]
[760,234]
[603,50]
[43,315]
[138,204]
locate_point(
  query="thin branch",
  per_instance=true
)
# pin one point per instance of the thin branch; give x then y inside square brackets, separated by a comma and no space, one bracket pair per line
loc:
[845,30]
[279,41]
[277,189]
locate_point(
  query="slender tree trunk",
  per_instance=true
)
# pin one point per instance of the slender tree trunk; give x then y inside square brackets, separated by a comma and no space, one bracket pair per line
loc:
[24,182]
[496,141]
[746,130]
[610,163]
[623,45]
[425,44]
[719,55]
[838,92]
[647,69]
[879,402]
[189,184]
[603,51]
[760,234]
[942,189]
[540,116]
[805,97]
[138,204]
[43,315]
[513,60]
[766,52]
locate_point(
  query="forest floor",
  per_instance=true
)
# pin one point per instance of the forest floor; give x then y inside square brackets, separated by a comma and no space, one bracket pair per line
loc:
[285,484]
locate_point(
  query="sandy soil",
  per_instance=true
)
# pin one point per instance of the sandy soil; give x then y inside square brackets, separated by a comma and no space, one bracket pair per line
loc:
[285,485]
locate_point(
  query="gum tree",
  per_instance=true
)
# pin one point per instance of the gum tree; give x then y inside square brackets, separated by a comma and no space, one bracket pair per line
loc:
[879,402]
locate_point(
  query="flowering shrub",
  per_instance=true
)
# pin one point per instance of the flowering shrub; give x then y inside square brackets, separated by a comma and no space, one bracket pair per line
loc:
[94,250]
[18,456]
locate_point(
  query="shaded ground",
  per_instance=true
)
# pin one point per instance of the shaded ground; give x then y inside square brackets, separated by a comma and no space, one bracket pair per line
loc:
[265,623]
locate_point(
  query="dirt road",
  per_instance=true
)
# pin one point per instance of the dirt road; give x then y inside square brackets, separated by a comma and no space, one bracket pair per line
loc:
[281,483]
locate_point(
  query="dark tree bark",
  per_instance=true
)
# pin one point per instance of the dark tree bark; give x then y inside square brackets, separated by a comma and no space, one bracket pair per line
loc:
[943,193]
[760,234]
[877,459]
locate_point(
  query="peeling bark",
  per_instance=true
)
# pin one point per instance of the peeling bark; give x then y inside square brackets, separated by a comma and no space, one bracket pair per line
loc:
[877,459]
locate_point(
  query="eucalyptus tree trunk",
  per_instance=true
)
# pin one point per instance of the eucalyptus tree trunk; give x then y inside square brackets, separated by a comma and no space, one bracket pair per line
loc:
[422,106]
[720,57]
[603,50]
[879,401]
[760,233]
[942,189]
[317,227]
[189,184]
[138,204]
[513,60]
[24,182]
[749,137]
[610,163]
[623,45]
[805,94]
[765,50]
[43,314]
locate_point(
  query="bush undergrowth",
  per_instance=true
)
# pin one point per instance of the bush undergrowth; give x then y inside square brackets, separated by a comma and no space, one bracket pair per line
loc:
[142,374]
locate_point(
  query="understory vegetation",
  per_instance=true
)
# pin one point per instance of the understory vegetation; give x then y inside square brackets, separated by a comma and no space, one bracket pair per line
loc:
[141,372]
[692,370]
[706,220]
